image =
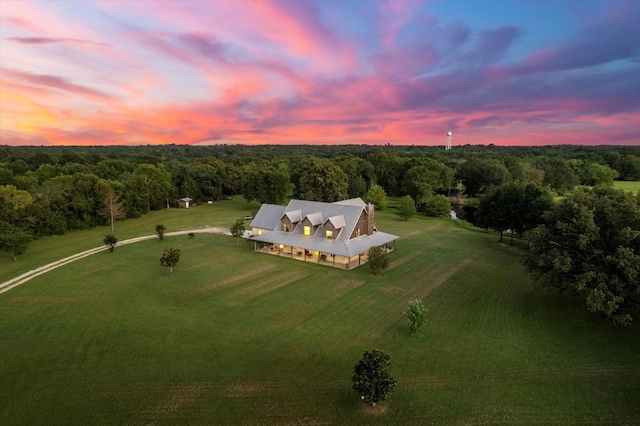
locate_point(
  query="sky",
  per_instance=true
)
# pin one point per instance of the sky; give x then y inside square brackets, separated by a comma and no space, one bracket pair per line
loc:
[507,72]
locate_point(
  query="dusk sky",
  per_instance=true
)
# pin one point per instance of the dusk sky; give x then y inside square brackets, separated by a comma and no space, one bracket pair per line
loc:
[319,72]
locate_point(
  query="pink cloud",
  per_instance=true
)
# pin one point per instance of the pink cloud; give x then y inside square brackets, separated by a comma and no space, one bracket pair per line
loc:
[52,81]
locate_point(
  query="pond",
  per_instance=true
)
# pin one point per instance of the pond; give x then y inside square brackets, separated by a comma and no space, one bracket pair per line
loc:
[468,213]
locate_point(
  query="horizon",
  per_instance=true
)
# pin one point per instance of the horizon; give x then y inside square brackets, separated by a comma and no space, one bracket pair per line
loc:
[399,73]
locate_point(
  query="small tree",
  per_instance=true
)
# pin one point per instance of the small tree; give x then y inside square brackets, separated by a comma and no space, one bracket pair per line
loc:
[14,240]
[160,228]
[406,207]
[416,315]
[110,241]
[237,230]
[376,196]
[436,205]
[371,379]
[114,207]
[170,258]
[378,259]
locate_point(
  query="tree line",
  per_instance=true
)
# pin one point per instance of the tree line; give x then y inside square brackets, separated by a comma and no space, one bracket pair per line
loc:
[49,190]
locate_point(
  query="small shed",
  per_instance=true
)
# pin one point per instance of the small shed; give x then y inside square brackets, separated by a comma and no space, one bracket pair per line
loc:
[184,202]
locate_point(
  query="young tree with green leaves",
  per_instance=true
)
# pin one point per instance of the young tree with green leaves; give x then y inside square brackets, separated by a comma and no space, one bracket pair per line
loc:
[416,314]
[371,378]
[110,241]
[406,207]
[377,259]
[160,228]
[170,258]
[436,205]
[237,230]
[14,239]
[376,196]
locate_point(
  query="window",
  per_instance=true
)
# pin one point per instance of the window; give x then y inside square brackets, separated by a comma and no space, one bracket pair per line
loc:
[329,234]
[307,231]
[259,231]
[285,227]
[357,232]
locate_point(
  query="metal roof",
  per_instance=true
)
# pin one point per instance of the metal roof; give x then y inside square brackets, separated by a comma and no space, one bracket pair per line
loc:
[343,248]
[352,202]
[315,218]
[342,214]
[350,211]
[294,216]
[336,221]
[268,216]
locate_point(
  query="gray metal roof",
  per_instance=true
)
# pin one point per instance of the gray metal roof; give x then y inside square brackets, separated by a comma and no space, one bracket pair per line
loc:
[294,216]
[315,218]
[343,248]
[352,202]
[268,216]
[350,211]
[337,221]
[342,214]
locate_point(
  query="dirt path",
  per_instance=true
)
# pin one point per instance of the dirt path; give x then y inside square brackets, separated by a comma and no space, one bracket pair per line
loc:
[21,279]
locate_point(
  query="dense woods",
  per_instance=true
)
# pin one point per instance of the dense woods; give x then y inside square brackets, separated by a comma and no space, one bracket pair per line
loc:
[50,190]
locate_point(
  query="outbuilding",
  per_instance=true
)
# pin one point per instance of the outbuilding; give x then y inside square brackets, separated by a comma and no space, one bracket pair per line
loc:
[184,202]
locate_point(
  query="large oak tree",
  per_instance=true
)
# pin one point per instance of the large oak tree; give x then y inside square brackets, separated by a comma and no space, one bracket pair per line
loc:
[589,244]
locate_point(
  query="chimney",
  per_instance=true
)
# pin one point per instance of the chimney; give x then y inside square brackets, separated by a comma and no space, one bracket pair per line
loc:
[370,221]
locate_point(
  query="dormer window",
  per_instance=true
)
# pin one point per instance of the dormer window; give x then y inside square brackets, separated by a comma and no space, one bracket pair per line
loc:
[307,231]
[329,234]
[285,227]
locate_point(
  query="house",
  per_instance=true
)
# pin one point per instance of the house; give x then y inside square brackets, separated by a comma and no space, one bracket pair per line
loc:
[184,202]
[338,234]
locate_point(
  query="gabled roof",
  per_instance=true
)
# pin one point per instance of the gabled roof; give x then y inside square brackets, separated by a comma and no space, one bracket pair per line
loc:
[294,216]
[348,248]
[349,209]
[315,218]
[336,221]
[185,199]
[352,202]
[268,217]
[342,214]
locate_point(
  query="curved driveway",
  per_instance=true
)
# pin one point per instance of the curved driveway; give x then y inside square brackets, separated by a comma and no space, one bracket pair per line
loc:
[8,285]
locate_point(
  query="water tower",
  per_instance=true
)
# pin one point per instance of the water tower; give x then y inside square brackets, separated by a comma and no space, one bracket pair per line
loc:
[447,145]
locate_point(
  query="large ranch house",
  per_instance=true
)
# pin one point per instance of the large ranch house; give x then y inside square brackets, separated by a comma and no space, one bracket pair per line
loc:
[337,234]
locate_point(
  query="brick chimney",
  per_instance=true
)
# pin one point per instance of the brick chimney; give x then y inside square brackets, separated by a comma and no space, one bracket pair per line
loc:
[370,221]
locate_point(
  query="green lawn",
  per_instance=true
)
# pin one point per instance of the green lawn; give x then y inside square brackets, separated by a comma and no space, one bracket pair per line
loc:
[49,249]
[237,337]
[631,186]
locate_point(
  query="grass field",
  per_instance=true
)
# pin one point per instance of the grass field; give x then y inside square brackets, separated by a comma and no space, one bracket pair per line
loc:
[631,186]
[237,337]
